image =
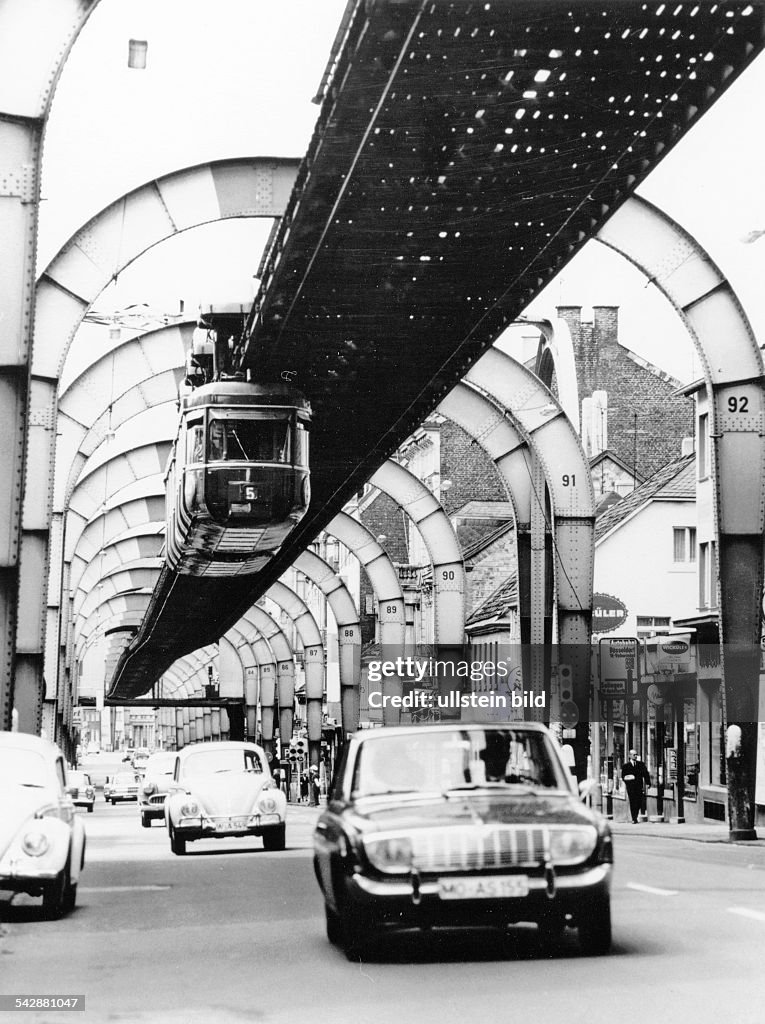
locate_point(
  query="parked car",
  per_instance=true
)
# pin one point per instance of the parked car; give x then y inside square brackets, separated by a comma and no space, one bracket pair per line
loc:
[154,787]
[124,786]
[43,838]
[224,789]
[461,824]
[81,789]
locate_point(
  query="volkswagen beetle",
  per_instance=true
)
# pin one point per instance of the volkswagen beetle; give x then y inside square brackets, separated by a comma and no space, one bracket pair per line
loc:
[42,839]
[460,824]
[224,789]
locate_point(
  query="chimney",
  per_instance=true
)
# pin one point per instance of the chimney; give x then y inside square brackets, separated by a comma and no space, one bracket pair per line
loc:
[605,325]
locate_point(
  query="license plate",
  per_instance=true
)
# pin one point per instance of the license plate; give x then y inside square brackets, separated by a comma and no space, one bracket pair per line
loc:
[228,824]
[490,888]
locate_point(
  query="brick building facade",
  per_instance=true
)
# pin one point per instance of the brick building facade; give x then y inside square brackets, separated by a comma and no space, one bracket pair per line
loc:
[646,420]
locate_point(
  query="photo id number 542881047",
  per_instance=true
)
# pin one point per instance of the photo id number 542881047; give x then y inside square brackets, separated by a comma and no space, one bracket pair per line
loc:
[30,1002]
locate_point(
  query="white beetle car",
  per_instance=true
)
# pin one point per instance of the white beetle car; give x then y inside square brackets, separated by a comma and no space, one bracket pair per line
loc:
[224,789]
[42,839]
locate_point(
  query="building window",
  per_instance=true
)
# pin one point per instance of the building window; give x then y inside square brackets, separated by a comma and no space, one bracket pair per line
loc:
[684,544]
[652,625]
[707,575]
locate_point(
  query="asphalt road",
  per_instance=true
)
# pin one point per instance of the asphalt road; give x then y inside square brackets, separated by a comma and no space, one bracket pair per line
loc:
[231,933]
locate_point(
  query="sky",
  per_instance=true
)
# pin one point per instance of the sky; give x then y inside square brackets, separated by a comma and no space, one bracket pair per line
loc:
[236,78]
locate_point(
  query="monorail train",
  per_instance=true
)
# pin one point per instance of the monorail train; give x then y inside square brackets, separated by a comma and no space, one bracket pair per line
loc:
[238,480]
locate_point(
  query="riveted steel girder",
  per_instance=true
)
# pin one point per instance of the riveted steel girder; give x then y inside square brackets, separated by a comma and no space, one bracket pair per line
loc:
[391,608]
[438,535]
[285,667]
[556,354]
[176,202]
[490,426]
[35,41]
[425,511]
[348,632]
[313,647]
[735,382]
[129,552]
[566,472]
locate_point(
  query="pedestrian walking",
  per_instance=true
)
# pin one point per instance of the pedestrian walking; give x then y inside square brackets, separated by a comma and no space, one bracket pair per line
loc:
[315,788]
[636,781]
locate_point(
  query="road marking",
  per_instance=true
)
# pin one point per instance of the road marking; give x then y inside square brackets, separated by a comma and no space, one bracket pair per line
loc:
[123,888]
[756,915]
[651,890]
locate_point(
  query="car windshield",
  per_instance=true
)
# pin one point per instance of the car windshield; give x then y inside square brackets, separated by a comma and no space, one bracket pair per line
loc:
[78,779]
[211,761]
[444,760]
[23,768]
[124,780]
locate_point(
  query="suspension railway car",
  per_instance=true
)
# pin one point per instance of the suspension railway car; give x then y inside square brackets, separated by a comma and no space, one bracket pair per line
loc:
[238,479]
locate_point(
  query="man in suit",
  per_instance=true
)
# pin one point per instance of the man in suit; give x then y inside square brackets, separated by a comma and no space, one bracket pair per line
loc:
[636,780]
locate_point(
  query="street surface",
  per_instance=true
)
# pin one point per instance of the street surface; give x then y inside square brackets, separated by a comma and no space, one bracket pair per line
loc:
[231,933]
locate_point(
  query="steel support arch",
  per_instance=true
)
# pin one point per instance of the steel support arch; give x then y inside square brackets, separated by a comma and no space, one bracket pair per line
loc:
[427,514]
[735,383]
[346,614]
[313,648]
[388,594]
[567,474]
[170,204]
[45,34]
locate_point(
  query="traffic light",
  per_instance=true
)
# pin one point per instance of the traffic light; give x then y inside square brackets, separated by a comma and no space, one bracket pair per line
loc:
[569,712]
[565,682]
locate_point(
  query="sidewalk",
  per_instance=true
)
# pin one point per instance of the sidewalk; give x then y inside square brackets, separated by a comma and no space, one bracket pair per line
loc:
[305,817]
[692,830]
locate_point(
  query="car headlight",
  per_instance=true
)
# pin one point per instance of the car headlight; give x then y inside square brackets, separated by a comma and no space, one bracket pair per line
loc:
[35,843]
[190,809]
[572,845]
[267,805]
[390,854]
[149,789]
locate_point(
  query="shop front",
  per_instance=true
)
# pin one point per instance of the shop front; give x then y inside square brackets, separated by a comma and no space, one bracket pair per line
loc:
[654,698]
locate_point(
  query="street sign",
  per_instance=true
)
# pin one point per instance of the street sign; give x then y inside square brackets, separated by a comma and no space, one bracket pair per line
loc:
[613,688]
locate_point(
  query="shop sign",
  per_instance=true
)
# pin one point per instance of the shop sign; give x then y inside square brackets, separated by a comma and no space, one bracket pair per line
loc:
[618,660]
[613,688]
[608,613]
[669,655]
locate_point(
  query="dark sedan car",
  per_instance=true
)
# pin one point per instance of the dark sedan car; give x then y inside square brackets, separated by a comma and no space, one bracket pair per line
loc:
[461,824]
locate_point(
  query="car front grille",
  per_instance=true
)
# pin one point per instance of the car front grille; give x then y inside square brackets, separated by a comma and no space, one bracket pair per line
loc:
[158,799]
[478,848]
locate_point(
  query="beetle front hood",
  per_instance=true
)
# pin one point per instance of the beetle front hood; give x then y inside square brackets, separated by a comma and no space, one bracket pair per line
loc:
[18,804]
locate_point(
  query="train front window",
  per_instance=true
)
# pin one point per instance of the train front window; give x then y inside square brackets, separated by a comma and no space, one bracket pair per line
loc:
[248,440]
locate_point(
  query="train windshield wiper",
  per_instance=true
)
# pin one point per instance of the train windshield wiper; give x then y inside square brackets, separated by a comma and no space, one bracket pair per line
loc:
[235,437]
